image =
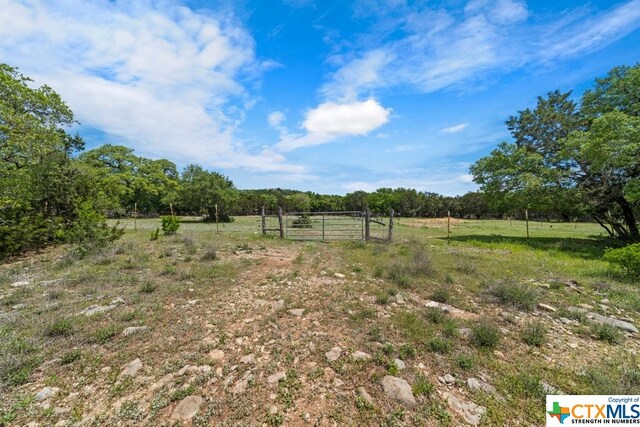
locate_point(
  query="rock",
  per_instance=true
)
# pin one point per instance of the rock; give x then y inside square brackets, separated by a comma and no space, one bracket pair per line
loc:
[298,312]
[193,302]
[131,330]
[365,396]
[604,301]
[464,332]
[399,390]
[337,383]
[449,379]
[46,393]
[400,299]
[131,369]
[339,275]
[249,358]
[360,355]
[116,301]
[187,408]
[546,307]
[475,384]
[586,306]
[278,305]
[19,306]
[333,354]
[95,309]
[620,324]
[273,409]
[453,311]
[399,364]
[59,411]
[20,284]
[469,411]
[549,389]
[573,345]
[216,355]
[242,384]
[277,377]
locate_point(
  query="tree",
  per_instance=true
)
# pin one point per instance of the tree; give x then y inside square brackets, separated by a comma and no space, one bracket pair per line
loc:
[201,191]
[568,157]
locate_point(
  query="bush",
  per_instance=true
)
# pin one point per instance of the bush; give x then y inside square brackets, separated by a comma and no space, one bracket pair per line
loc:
[422,386]
[170,225]
[516,294]
[209,254]
[627,257]
[608,333]
[534,333]
[441,294]
[485,334]
[303,222]
[155,234]
[59,328]
[439,345]
[465,361]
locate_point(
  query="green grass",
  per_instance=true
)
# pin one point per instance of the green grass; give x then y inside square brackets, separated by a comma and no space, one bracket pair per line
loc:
[515,294]
[534,333]
[485,335]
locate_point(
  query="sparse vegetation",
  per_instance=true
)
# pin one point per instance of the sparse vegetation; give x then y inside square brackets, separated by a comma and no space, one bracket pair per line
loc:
[485,334]
[516,294]
[534,333]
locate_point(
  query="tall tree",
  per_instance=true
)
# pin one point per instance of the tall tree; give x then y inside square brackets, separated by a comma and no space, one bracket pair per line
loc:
[201,191]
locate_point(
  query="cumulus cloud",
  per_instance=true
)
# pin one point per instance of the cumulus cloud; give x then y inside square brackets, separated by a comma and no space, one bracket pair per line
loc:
[275,119]
[162,78]
[455,128]
[332,120]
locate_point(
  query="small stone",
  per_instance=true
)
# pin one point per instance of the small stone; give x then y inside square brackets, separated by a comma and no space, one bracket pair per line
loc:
[464,332]
[131,330]
[216,355]
[337,383]
[498,354]
[604,301]
[573,345]
[399,364]
[333,354]
[131,369]
[449,379]
[278,305]
[46,393]
[20,284]
[399,390]
[306,417]
[339,275]
[400,299]
[249,358]
[19,306]
[298,312]
[365,396]
[277,377]
[475,384]
[273,409]
[193,302]
[586,306]
[59,411]
[116,301]
[546,307]
[187,408]
[360,355]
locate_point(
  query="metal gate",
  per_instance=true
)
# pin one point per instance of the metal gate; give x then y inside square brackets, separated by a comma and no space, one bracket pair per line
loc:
[324,225]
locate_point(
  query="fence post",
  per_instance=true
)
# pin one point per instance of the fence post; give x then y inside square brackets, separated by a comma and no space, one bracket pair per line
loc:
[526,218]
[390,225]
[281,222]
[135,216]
[448,226]
[367,225]
[264,223]
[217,228]
[322,226]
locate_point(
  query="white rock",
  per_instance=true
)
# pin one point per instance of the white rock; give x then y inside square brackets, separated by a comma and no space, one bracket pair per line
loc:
[546,307]
[131,330]
[365,396]
[333,354]
[216,355]
[249,358]
[399,364]
[187,408]
[399,390]
[46,393]
[275,378]
[20,284]
[360,355]
[339,275]
[131,369]
[471,412]
[296,312]
[449,379]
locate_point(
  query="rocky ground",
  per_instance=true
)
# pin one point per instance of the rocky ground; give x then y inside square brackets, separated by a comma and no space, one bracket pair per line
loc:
[263,332]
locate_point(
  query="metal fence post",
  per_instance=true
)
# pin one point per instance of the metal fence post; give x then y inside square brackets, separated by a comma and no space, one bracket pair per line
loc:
[264,223]
[367,225]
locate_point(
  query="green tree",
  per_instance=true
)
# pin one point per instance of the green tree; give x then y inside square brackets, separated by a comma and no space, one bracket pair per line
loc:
[201,191]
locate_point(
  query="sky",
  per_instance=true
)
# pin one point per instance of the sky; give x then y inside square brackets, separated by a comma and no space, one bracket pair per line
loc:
[316,95]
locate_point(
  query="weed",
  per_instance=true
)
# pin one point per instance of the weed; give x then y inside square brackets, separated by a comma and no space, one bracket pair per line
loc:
[515,294]
[608,333]
[450,328]
[407,351]
[59,328]
[70,357]
[441,294]
[485,335]
[147,287]
[526,385]
[422,386]
[209,254]
[466,266]
[397,274]
[435,315]
[182,393]
[190,245]
[534,333]
[421,264]
[466,362]
[439,345]
[102,335]
[392,368]
[382,297]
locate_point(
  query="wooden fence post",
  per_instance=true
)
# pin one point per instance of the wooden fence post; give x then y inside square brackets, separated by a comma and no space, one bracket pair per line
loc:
[264,223]
[367,225]
[526,218]
[217,228]
[135,216]
[448,226]
[323,236]
[281,222]
[390,226]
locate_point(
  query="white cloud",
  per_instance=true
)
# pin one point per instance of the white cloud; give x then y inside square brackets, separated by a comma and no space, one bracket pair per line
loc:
[456,128]
[331,120]
[162,78]
[275,119]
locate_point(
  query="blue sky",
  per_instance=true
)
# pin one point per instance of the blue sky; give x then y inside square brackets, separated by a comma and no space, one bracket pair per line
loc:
[327,96]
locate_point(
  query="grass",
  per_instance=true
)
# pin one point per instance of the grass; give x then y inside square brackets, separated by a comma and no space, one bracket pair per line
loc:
[441,294]
[485,335]
[534,333]
[59,328]
[519,295]
[607,333]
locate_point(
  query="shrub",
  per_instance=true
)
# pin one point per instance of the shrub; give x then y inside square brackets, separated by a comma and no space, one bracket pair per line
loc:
[407,351]
[209,254]
[103,335]
[435,315]
[534,333]
[516,294]
[485,334]
[608,333]
[441,294]
[439,345]
[147,287]
[465,361]
[421,263]
[59,328]
[170,225]
[397,274]
[303,222]
[627,257]
[422,386]
[155,234]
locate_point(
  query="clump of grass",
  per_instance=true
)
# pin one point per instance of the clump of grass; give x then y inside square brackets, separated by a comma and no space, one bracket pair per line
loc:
[515,294]
[526,385]
[465,361]
[466,265]
[485,335]
[407,351]
[439,345]
[18,356]
[608,333]
[619,375]
[59,328]
[441,294]
[169,270]
[382,297]
[54,295]
[398,275]
[147,287]
[182,393]
[534,333]
[571,314]
[378,271]
[422,386]
[102,335]
[435,315]
[189,245]
[450,328]
[421,263]
[209,254]
[70,357]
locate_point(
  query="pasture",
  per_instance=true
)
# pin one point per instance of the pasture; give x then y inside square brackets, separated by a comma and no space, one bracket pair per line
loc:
[235,328]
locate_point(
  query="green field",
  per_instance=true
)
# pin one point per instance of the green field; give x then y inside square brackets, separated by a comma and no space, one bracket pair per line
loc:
[216,305]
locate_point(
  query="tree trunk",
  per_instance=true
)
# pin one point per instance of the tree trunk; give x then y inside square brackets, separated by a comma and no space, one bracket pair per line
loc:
[629,218]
